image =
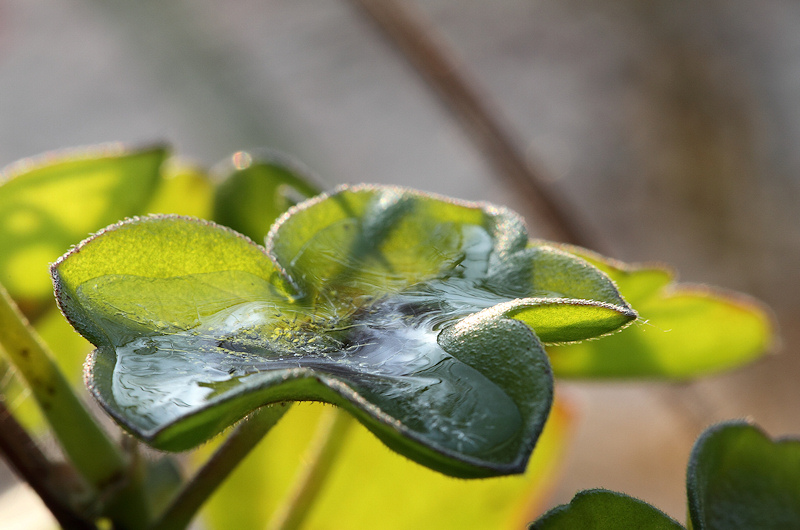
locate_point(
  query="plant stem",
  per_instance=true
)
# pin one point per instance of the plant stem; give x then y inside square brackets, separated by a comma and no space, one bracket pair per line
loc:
[327,444]
[96,457]
[244,438]
[416,40]
[30,464]
[99,461]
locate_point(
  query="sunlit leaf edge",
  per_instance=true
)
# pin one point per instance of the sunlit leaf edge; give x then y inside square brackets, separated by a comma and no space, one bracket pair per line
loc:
[76,154]
[64,297]
[514,308]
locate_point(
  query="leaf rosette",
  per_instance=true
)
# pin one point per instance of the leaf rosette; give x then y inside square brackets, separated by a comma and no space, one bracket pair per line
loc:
[423,317]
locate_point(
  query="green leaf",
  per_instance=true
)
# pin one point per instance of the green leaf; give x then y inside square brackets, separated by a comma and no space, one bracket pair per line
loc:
[128,282]
[432,252]
[50,203]
[362,240]
[605,510]
[740,479]
[402,308]
[683,331]
[254,193]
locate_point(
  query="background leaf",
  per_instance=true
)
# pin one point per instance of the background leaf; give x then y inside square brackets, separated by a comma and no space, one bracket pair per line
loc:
[254,193]
[683,330]
[604,510]
[183,189]
[740,479]
[49,204]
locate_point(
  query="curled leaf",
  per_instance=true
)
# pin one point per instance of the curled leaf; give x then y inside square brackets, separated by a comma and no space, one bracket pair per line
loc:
[417,314]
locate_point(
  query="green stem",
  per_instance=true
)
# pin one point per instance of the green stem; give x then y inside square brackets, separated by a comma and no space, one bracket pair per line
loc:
[326,446]
[95,456]
[128,507]
[247,435]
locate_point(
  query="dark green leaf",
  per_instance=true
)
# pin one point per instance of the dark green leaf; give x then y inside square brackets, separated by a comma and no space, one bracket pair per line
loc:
[605,510]
[740,479]
[254,193]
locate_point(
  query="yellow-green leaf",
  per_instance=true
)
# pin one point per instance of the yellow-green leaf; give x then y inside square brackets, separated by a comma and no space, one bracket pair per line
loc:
[50,203]
[683,330]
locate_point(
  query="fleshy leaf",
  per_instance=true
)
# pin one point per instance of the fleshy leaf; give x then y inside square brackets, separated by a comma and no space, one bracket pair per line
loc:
[740,479]
[456,257]
[50,203]
[125,284]
[683,331]
[196,326]
[605,510]
[254,193]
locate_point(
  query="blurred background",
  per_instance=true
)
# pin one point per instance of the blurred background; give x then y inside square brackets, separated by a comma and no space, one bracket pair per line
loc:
[670,129]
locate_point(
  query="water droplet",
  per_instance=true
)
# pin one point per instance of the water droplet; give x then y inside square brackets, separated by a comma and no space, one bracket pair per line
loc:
[384,347]
[391,358]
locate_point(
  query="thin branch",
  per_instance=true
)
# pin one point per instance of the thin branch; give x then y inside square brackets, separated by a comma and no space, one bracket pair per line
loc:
[406,28]
[208,478]
[326,446]
[29,463]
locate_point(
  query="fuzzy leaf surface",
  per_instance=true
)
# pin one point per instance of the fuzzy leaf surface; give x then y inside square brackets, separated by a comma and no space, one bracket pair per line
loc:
[417,314]
[738,478]
[605,510]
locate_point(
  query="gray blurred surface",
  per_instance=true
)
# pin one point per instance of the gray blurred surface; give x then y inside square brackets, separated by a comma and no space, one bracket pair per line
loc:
[671,127]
